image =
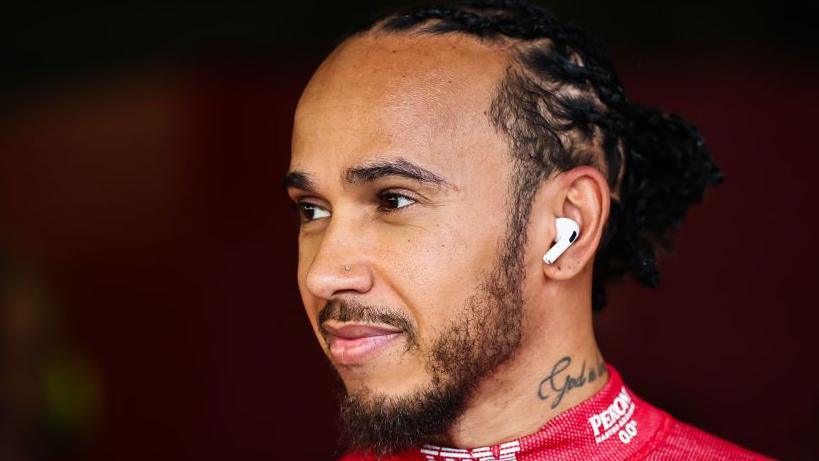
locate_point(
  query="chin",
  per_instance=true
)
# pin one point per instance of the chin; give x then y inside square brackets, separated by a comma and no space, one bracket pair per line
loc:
[388,418]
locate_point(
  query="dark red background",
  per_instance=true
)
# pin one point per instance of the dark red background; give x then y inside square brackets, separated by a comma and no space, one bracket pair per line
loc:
[149,198]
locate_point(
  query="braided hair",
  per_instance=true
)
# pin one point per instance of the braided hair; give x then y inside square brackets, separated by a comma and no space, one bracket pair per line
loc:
[561,105]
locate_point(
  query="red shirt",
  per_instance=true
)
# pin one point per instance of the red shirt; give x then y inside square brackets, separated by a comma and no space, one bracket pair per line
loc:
[612,424]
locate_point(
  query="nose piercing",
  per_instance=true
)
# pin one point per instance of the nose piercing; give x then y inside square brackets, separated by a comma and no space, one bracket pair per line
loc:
[347,267]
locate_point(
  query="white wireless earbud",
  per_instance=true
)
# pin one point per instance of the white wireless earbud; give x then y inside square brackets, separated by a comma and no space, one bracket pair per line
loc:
[567,233]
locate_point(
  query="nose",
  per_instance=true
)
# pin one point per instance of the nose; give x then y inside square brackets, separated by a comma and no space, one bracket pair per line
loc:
[340,264]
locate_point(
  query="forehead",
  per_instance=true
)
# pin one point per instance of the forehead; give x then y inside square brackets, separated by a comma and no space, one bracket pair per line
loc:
[423,97]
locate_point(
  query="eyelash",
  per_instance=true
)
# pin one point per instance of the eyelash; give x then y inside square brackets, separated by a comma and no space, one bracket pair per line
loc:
[301,206]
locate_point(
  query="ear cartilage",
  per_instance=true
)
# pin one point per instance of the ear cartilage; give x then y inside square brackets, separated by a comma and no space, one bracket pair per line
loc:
[567,233]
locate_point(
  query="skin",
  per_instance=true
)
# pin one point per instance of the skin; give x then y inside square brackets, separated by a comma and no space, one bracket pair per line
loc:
[425,100]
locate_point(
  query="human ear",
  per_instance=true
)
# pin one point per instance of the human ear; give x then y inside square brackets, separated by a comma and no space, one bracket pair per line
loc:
[582,195]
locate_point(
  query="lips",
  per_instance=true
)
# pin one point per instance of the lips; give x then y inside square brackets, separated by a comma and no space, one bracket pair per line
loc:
[355,343]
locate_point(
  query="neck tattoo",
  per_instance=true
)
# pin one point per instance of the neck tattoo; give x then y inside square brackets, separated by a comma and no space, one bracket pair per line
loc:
[559,382]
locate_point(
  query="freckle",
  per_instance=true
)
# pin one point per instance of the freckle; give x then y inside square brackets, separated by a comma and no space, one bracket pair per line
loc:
[393,51]
[558,267]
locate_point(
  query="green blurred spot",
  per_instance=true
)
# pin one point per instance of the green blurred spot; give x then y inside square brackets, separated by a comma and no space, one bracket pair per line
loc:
[72,393]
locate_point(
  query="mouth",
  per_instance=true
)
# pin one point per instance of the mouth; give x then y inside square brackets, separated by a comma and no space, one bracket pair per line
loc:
[356,343]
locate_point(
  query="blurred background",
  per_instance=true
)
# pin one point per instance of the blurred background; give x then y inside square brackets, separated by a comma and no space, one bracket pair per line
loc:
[148,301]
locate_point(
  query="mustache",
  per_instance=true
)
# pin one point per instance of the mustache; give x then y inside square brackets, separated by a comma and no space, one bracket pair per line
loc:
[353,311]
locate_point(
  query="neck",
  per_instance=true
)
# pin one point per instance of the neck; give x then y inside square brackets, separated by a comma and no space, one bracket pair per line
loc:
[554,369]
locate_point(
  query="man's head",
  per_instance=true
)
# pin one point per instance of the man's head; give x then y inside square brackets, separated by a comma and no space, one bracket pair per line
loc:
[432,153]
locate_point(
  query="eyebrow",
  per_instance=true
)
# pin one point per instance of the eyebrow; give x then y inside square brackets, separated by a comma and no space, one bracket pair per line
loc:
[298,180]
[399,167]
[370,172]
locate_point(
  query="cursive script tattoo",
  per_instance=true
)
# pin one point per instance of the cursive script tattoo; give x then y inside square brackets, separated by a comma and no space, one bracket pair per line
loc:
[560,383]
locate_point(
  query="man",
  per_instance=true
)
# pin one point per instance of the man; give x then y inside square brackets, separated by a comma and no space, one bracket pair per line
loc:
[433,153]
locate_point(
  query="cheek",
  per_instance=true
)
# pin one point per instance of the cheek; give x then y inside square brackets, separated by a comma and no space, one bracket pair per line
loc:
[439,269]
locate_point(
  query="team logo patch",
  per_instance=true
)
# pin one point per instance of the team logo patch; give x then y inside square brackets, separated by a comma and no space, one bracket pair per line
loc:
[615,419]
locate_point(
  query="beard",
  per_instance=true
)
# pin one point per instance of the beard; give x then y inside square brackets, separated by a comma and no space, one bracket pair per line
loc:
[485,333]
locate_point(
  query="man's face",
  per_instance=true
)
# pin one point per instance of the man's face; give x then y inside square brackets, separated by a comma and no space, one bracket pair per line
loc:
[403,185]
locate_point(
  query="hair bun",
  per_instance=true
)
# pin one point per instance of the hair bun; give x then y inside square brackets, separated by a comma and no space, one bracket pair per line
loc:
[667,169]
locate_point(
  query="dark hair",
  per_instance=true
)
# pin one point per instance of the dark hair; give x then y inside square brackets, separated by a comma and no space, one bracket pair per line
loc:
[562,105]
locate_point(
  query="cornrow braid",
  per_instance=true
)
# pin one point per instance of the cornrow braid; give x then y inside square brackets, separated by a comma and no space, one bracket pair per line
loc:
[561,106]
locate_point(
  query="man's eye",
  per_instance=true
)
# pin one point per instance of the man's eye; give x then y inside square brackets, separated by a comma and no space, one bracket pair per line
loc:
[311,212]
[390,201]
